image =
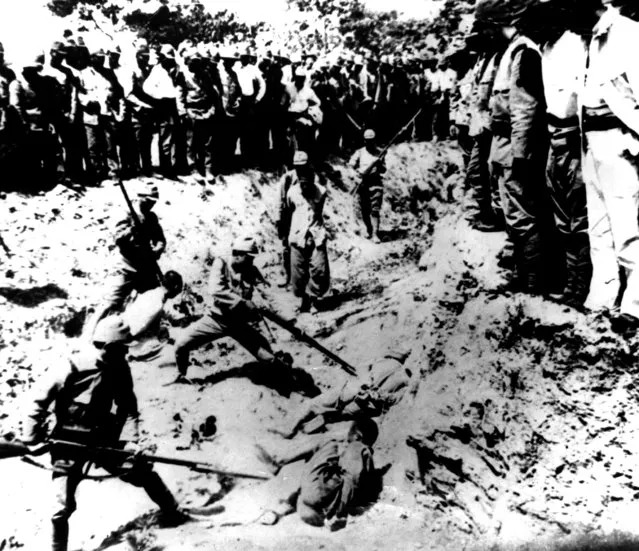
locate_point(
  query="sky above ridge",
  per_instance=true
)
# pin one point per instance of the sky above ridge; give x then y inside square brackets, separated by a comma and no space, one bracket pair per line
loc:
[27,26]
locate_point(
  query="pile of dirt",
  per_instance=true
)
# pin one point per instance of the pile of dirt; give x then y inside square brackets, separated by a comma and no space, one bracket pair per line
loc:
[518,425]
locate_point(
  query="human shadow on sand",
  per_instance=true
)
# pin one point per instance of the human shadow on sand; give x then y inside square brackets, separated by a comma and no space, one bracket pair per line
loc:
[283,380]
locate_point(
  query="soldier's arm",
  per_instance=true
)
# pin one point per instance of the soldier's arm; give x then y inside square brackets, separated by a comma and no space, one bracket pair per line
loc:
[261,83]
[158,239]
[219,286]
[526,102]
[16,99]
[43,395]
[123,231]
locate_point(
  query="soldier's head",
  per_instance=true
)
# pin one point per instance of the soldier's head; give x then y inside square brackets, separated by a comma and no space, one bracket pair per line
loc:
[243,253]
[111,338]
[302,167]
[173,283]
[33,67]
[97,58]
[363,430]
[369,138]
[57,53]
[148,197]
[113,55]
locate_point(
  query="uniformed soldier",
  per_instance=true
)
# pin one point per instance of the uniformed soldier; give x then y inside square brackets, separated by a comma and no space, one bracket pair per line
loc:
[371,188]
[302,219]
[385,384]
[232,313]
[519,146]
[339,474]
[138,250]
[95,405]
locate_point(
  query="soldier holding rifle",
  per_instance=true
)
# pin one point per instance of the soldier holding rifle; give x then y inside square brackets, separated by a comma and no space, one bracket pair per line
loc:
[370,167]
[95,405]
[140,241]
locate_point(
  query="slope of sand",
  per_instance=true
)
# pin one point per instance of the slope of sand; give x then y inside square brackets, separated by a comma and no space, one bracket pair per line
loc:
[519,426]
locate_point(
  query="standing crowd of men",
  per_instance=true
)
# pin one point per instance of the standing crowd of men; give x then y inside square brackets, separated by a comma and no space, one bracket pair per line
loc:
[551,120]
[94,114]
[552,107]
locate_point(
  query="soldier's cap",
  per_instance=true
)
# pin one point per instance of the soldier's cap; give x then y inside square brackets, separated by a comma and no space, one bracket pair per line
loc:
[245,245]
[111,330]
[150,192]
[369,134]
[300,158]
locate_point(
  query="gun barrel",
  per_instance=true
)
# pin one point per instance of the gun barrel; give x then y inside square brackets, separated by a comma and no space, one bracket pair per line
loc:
[193,465]
[302,336]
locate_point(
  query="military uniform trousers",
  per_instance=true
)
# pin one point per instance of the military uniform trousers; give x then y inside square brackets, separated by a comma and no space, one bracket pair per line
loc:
[483,201]
[568,196]
[310,273]
[520,204]
[371,197]
[68,473]
[212,327]
[612,193]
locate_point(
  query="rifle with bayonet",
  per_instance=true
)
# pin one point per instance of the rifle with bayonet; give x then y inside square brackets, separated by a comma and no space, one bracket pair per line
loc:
[140,228]
[18,449]
[382,155]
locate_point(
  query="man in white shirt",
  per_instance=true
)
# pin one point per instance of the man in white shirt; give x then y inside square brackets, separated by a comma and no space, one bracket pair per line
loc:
[610,127]
[252,88]
[161,84]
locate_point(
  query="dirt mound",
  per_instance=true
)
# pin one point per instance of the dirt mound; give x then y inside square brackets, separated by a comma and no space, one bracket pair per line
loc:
[518,424]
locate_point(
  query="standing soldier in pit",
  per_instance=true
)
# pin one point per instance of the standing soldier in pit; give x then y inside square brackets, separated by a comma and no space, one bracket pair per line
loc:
[302,219]
[232,313]
[371,188]
[138,252]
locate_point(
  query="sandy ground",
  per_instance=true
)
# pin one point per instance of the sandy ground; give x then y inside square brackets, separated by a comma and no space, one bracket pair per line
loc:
[519,427]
